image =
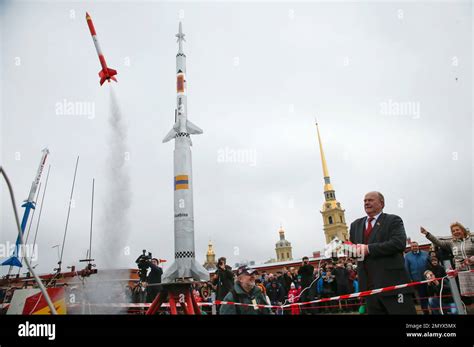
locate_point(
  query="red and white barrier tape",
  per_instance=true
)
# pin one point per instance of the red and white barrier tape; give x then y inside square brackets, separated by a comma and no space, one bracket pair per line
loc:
[449,273]
[124,305]
[135,305]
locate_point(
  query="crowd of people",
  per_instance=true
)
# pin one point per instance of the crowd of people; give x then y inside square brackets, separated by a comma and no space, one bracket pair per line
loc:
[379,239]
[422,265]
[331,277]
[286,287]
[379,242]
[339,276]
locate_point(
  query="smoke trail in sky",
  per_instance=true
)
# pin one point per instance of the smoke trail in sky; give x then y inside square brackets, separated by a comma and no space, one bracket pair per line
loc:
[116,221]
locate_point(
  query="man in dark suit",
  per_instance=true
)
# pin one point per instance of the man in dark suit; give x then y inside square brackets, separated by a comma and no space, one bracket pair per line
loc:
[380,241]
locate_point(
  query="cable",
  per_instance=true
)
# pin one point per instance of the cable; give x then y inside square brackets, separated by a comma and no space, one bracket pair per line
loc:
[440,298]
[20,235]
[299,295]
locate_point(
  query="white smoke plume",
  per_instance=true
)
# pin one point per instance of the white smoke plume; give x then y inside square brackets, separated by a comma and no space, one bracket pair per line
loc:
[106,291]
[102,293]
[115,226]
[108,286]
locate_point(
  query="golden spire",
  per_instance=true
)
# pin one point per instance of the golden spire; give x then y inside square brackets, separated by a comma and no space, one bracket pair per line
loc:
[210,249]
[327,180]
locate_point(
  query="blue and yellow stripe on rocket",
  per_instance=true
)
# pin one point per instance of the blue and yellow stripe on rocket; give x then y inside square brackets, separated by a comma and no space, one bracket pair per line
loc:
[181,182]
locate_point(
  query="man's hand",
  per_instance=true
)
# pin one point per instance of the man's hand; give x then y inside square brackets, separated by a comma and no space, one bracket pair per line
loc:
[359,250]
[423,231]
[362,249]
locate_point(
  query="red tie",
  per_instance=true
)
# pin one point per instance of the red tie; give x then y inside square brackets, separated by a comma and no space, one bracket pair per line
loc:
[368,230]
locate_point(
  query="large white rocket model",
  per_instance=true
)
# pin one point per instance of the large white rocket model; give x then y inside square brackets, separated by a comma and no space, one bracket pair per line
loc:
[185,266]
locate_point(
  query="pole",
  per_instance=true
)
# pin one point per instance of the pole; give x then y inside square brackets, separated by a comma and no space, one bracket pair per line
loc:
[454,289]
[92,217]
[68,213]
[213,299]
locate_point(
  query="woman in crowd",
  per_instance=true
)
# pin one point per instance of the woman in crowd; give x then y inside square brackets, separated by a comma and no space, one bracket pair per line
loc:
[462,247]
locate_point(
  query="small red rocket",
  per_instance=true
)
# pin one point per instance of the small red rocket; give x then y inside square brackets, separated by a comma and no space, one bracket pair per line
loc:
[105,73]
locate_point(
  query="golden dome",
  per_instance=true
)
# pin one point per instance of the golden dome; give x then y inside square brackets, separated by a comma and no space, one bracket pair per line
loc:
[210,249]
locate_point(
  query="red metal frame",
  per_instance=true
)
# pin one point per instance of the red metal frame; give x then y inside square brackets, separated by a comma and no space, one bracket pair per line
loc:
[173,292]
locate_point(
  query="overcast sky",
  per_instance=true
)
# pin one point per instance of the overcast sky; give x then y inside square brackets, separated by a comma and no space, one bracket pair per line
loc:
[390,85]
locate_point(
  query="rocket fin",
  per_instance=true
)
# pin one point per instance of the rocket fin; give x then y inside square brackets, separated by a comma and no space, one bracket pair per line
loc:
[111,72]
[190,269]
[107,75]
[171,274]
[198,272]
[171,135]
[12,261]
[193,128]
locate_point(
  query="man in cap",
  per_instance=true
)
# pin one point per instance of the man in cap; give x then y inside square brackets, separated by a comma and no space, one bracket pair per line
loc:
[245,292]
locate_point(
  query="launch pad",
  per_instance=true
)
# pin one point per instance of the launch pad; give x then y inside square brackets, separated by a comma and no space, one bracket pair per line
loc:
[174,293]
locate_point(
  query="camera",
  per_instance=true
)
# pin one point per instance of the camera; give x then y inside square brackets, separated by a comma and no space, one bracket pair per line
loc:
[143,263]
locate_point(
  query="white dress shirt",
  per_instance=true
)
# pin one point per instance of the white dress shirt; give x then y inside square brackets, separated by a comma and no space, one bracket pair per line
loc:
[373,221]
[373,224]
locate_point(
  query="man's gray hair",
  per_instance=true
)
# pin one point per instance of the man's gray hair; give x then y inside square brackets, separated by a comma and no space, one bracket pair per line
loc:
[381,197]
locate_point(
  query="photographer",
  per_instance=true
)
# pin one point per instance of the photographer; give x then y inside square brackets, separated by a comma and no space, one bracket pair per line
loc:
[306,272]
[327,288]
[224,280]
[153,278]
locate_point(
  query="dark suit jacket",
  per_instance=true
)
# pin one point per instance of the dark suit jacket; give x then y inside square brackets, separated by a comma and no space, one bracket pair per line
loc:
[385,262]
